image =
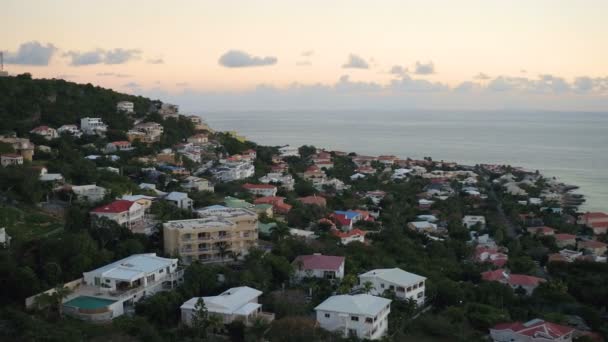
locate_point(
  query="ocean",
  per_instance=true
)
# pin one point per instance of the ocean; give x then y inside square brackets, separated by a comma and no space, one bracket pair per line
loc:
[570,146]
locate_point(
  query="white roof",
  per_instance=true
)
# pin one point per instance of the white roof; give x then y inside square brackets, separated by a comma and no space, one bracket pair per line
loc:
[423,224]
[361,304]
[176,196]
[51,177]
[234,300]
[395,276]
[134,266]
[135,198]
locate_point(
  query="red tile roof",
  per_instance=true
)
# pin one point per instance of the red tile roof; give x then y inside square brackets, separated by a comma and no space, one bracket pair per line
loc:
[564,237]
[594,215]
[319,262]
[353,232]
[495,275]
[592,244]
[11,155]
[121,143]
[524,280]
[40,128]
[313,200]
[114,207]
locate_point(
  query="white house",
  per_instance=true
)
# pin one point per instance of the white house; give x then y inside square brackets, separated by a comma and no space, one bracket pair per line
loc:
[364,316]
[107,292]
[263,190]
[470,221]
[197,183]
[319,266]
[288,151]
[89,193]
[46,132]
[69,129]
[11,159]
[125,213]
[93,126]
[179,199]
[5,239]
[118,146]
[125,107]
[237,303]
[403,284]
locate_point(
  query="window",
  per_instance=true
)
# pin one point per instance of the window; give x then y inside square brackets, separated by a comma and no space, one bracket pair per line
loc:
[327,315]
[409,289]
[420,294]
[392,288]
[354,318]
[382,285]
[369,320]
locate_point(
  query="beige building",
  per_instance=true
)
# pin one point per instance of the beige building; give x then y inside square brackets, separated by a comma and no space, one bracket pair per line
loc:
[221,234]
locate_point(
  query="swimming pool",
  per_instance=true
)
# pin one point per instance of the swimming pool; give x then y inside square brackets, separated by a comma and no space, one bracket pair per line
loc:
[86,302]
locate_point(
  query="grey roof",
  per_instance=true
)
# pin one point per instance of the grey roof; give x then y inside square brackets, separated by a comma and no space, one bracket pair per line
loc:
[131,267]
[361,304]
[395,276]
[229,301]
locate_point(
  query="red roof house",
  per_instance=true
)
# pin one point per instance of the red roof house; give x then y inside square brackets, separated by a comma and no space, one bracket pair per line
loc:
[313,200]
[319,266]
[535,330]
[278,204]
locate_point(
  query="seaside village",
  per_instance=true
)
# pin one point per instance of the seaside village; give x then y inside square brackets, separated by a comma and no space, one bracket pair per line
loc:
[289,236]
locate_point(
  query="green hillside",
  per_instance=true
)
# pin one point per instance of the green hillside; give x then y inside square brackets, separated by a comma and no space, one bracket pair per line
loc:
[27,102]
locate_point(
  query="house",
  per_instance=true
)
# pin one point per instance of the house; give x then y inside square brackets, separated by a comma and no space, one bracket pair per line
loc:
[70,129]
[526,282]
[249,154]
[592,246]
[365,170]
[422,226]
[404,285]
[125,213]
[470,221]
[278,204]
[387,160]
[362,315]
[46,132]
[565,240]
[118,146]
[5,239]
[231,171]
[199,123]
[346,218]
[313,200]
[199,139]
[11,159]
[90,193]
[424,204]
[491,255]
[286,181]
[143,200]
[319,266]
[109,291]
[375,196]
[288,151]
[180,200]
[220,234]
[597,221]
[152,131]
[21,146]
[541,231]
[235,304]
[93,126]
[125,107]
[536,330]
[354,235]
[264,190]
[199,184]
[565,255]
[168,110]
[51,177]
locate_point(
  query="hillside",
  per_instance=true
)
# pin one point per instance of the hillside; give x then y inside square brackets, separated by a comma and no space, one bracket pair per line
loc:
[27,102]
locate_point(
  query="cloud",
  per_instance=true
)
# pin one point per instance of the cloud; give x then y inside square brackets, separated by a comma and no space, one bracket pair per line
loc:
[99,56]
[112,74]
[156,61]
[398,70]
[355,62]
[132,85]
[417,85]
[466,87]
[303,63]
[482,76]
[241,59]
[182,84]
[424,68]
[31,53]
[66,76]
[307,53]
[545,84]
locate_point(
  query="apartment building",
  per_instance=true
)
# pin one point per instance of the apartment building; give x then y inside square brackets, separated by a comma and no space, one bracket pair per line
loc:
[125,107]
[93,126]
[221,234]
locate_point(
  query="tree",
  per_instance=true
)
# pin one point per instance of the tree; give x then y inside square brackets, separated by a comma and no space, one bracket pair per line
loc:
[200,318]
[368,286]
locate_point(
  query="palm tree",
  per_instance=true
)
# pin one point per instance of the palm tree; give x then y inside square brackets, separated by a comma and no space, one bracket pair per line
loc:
[368,286]
[222,247]
[258,329]
[279,231]
[61,292]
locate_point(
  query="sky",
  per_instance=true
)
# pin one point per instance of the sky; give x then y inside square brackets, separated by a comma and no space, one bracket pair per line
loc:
[283,54]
